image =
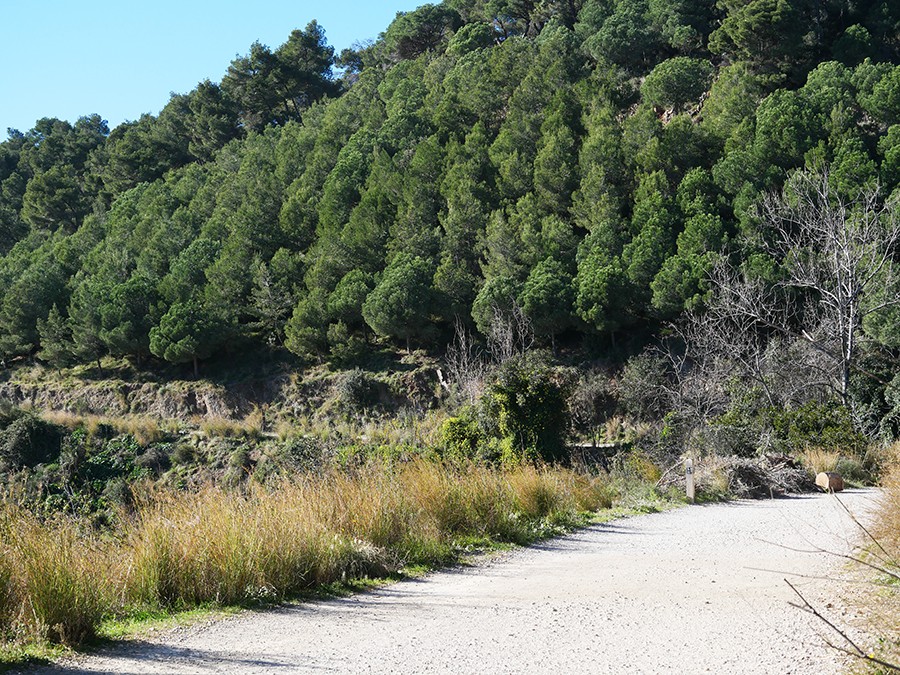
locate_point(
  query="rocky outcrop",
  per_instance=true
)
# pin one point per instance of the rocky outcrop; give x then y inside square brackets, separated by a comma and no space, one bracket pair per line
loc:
[173,400]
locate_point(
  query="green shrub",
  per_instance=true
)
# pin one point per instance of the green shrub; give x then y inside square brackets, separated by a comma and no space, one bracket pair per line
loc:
[346,347]
[528,406]
[305,453]
[155,459]
[823,425]
[641,387]
[460,438]
[854,471]
[9,414]
[355,390]
[185,455]
[29,441]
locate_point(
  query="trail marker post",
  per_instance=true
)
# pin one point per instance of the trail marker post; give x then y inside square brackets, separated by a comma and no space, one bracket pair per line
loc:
[689,479]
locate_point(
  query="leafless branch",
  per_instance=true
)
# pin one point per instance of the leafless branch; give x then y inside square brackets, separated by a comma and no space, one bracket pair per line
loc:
[854,650]
[511,334]
[466,365]
[837,259]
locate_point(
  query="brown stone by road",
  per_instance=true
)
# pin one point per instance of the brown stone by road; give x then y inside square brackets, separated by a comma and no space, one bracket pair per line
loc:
[694,590]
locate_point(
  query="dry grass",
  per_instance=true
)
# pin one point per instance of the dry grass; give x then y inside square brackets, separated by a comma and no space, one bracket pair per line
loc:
[878,602]
[57,582]
[251,427]
[711,478]
[887,527]
[819,460]
[145,430]
[215,545]
[641,466]
[614,428]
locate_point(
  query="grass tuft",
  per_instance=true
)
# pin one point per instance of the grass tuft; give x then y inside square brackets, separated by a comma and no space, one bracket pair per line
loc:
[820,460]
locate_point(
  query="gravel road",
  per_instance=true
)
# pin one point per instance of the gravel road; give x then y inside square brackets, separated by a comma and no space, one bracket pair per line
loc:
[692,590]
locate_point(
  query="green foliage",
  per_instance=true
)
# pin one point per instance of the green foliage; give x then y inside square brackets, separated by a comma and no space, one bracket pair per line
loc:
[187,332]
[461,438]
[547,298]
[55,333]
[820,425]
[477,154]
[469,38]
[421,30]
[527,403]
[28,441]
[355,390]
[306,332]
[677,82]
[400,303]
[275,87]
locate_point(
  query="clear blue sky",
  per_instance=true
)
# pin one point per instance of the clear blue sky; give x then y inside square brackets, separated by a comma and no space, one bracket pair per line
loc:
[65,59]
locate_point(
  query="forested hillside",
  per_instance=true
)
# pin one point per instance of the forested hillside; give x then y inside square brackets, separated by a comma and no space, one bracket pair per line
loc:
[588,161]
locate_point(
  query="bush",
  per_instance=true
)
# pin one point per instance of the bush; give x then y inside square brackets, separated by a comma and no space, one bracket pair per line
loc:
[9,414]
[307,453]
[460,438]
[346,347]
[528,406]
[590,403]
[355,390]
[29,441]
[640,387]
[156,458]
[823,425]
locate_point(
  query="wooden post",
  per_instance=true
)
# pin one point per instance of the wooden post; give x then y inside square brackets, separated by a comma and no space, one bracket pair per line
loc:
[689,479]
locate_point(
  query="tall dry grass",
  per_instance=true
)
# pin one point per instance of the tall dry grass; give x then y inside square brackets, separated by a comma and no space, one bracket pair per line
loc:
[887,524]
[56,582]
[217,426]
[144,429]
[819,460]
[215,545]
[878,609]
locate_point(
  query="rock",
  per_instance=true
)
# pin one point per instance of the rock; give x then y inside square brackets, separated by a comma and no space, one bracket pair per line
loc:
[830,481]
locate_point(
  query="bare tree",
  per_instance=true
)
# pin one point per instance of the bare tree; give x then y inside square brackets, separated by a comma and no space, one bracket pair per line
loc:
[837,259]
[511,334]
[466,365]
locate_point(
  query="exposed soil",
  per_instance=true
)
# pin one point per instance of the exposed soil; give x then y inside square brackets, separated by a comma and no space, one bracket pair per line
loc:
[694,590]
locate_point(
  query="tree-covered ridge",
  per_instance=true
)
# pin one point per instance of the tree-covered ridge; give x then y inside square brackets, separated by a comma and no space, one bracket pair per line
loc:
[586,161]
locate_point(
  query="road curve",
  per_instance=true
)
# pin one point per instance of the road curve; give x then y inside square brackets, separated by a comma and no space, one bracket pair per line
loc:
[693,590]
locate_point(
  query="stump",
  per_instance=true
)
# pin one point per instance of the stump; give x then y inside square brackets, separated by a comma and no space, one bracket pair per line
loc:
[830,481]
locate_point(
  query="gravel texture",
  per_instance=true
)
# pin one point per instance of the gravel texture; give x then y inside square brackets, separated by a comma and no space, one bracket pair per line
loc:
[692,590]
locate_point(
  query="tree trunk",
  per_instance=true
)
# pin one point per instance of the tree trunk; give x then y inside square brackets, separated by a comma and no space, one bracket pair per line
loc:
[196,369]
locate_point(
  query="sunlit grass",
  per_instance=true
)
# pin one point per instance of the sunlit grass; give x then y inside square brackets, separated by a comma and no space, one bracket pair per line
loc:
[59,581]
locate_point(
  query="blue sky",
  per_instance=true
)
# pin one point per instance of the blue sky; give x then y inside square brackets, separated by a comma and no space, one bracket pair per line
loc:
[62,58]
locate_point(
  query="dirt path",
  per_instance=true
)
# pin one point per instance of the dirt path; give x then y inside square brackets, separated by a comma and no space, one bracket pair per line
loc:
[688,591]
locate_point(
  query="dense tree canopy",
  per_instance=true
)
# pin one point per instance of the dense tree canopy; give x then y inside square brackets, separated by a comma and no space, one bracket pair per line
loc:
[588,161]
